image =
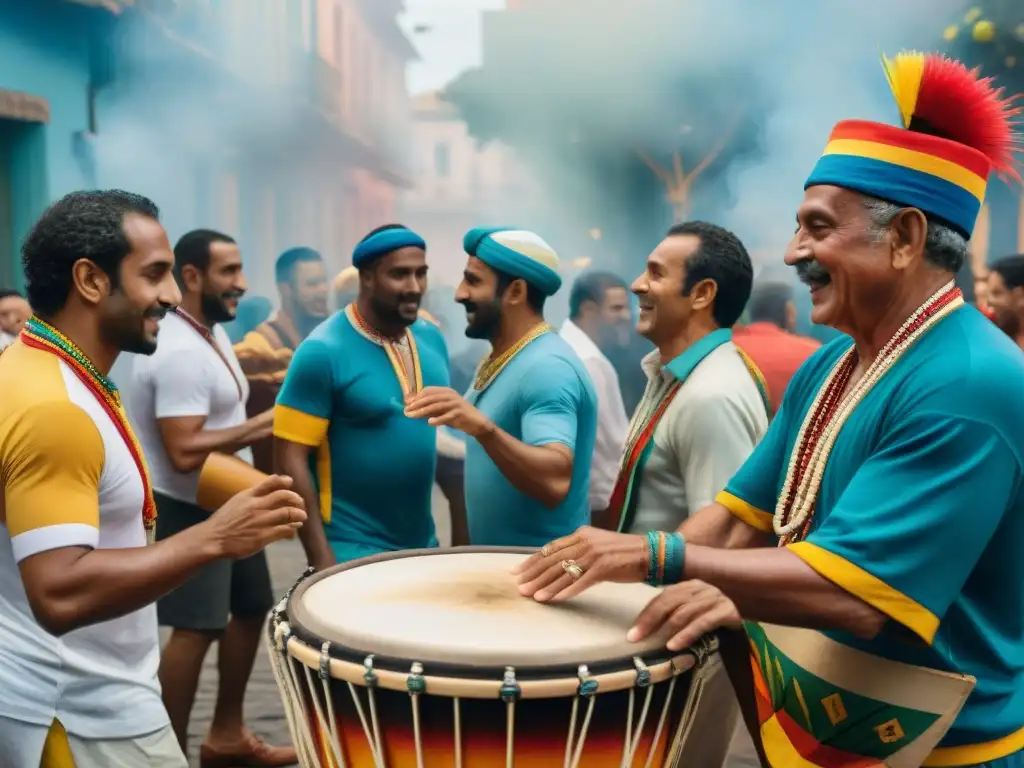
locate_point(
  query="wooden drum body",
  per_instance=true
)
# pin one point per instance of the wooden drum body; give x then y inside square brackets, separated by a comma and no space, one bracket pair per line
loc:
[432,658]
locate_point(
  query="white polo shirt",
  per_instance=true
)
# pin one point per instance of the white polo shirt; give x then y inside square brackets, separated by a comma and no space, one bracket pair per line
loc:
[184,377]
[69,480]
[706,433]
[612,421]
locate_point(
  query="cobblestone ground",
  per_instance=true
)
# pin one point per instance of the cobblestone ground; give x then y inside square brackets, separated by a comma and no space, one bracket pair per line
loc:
[263,708]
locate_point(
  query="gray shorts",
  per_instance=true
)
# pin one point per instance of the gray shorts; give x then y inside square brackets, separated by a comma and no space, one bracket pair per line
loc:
[21,744]
[221,589]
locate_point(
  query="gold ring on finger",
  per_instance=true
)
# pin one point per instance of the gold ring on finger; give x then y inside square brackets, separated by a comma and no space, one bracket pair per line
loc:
[545,550]
[573,569]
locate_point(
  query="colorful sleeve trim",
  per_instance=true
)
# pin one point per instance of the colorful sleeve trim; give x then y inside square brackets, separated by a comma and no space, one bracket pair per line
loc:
[870,589]
[748,513]
[299,427]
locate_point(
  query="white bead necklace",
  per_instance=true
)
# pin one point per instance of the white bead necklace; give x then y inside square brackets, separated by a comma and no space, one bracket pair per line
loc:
[806,493]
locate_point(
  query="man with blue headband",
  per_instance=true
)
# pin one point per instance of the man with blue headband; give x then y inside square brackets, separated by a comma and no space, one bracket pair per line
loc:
[532,409]
[341,434]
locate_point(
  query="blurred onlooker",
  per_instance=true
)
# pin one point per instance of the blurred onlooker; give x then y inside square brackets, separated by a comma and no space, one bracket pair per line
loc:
[1006,296]
[771,340]
[600,317]
[252,311]
[14,312]
[264,353]
[345,288]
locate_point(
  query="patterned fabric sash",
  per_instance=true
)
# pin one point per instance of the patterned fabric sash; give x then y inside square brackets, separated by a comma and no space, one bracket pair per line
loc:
[40,335]
[640,443]
[821,704]
[209,338]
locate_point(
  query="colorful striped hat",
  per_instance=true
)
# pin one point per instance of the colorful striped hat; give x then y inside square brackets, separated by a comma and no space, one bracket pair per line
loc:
[957,128]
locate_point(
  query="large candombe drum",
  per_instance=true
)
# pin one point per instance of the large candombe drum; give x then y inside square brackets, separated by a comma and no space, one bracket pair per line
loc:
[431,658]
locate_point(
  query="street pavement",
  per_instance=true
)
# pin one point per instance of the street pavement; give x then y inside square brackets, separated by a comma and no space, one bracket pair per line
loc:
[263,708]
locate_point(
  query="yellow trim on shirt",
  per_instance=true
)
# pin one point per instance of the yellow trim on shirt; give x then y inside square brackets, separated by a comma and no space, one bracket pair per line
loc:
[976,754]
[299,427]
[870,589]
[748,513]
[323,479]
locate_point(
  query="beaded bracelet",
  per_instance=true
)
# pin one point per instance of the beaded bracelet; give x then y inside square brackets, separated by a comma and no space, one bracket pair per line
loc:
[666,558]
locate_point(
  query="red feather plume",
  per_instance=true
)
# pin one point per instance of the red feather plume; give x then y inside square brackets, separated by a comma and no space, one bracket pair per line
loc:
[967,108]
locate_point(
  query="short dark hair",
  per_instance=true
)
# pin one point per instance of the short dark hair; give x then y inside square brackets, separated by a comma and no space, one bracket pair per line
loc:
[768,303]
[376,231]
[81,225]
[1011,269]
[193,249]
[535,297]
[8,293]
[592,286]
[284,267]
[721,257]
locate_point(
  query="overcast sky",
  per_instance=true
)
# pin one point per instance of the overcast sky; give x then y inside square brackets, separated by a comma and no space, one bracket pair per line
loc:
[452,42]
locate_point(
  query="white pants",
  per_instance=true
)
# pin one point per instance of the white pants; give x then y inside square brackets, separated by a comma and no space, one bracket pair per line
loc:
[21,746]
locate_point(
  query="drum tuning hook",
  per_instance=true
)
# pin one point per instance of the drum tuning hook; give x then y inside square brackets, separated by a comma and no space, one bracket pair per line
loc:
[588,685]
[369,676]
[416,684]
[325,661]
[643,674]
[510,689]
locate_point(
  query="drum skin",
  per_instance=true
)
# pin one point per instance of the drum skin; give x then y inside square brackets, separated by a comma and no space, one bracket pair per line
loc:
[541,724]
[540,731]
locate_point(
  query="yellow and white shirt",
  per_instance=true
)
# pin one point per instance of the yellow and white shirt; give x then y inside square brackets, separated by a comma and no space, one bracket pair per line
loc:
[69,480]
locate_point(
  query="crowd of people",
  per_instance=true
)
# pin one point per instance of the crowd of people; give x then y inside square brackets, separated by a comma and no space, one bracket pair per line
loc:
[858,568]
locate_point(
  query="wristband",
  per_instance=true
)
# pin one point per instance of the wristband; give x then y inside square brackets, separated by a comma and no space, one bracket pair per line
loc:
[666,558]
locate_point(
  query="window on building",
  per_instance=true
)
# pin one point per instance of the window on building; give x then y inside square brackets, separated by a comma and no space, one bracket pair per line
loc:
[442,159]
[339,35]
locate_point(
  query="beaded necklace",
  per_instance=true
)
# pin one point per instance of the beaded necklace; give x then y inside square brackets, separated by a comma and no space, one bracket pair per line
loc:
[411,382]
[831,409]
[41,335]
[490,367]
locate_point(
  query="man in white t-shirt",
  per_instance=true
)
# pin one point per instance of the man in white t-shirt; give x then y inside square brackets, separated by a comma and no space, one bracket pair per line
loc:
[185,402]
[599,315]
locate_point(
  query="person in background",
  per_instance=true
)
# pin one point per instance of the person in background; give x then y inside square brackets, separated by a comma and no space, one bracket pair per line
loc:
[186,402]
[14,312]
[1006,296]
[600,317]
[345,288]
[253,311]
[79,645]
[771,340]
[338,423]
[531,414]
[265,353]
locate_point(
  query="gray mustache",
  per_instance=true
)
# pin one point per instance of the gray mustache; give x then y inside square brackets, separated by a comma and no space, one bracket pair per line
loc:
[811,271]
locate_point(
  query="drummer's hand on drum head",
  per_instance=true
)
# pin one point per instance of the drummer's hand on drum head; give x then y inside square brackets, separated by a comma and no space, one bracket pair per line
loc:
[254,518]
[598,555]
[688,611]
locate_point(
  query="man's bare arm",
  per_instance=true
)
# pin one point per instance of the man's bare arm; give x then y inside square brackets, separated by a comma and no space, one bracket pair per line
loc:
[715,526]
[73,587]
[542,472]
[292,460]
[188,444]
[772,584]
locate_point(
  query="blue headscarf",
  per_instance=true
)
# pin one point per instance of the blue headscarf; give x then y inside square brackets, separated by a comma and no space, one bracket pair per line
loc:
[385,241]
[518,253]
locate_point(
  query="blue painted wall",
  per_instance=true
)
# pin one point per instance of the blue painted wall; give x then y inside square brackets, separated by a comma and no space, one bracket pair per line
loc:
[44,51]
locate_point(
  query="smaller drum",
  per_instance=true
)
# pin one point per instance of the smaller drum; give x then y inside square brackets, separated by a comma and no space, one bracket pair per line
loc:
[223,476]
[431,658]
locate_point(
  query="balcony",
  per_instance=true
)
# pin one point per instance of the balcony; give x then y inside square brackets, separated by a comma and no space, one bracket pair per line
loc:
[317,84]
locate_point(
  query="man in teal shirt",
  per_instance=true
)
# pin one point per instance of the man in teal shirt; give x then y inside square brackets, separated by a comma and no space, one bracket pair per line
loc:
[871,545]
[532,409]
[341,434]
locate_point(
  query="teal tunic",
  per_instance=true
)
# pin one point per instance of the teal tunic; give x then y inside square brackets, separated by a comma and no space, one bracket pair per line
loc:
[544,395]
[921,514]
[374,469]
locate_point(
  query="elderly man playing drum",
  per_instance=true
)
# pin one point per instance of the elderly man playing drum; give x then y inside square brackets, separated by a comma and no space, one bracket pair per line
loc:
[888,584]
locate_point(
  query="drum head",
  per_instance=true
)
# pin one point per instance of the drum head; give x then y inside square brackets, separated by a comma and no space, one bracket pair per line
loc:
[462,608]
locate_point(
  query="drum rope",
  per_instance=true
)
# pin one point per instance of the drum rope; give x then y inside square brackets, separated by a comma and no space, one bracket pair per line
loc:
[701,653]
[643,681]
[586,690]
[510,692]
[331,726]
[416,685]
[663,719]
[273,651]
[372,736]
[457,720]
[288,680]
[326,738]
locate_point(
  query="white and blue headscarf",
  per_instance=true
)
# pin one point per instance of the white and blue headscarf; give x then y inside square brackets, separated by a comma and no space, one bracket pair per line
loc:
[518,253]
